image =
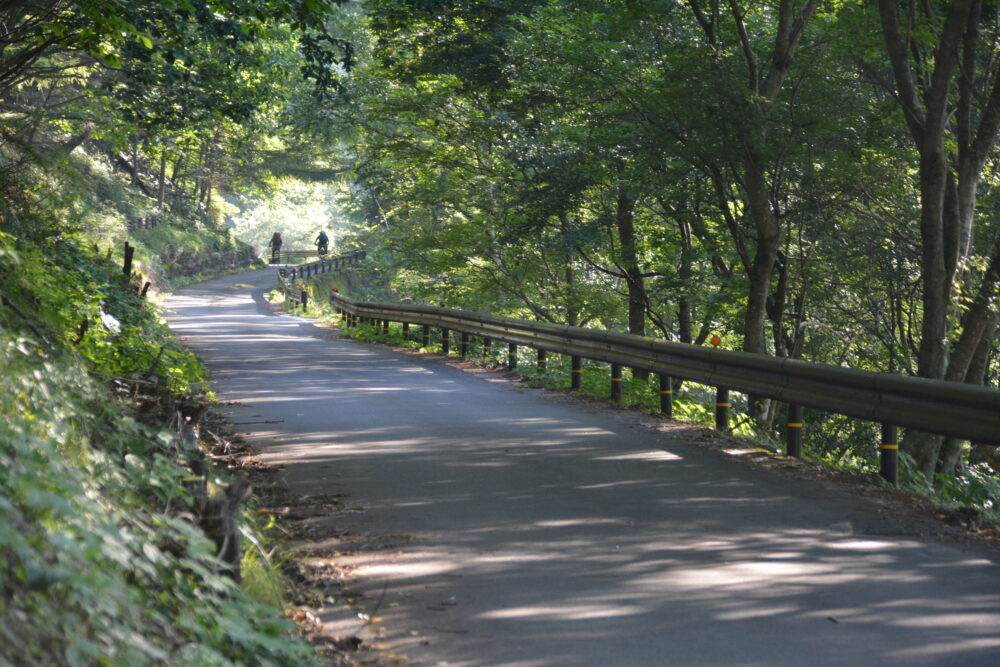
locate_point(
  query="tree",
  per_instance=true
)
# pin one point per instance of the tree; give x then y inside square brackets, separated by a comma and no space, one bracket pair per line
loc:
[947,85]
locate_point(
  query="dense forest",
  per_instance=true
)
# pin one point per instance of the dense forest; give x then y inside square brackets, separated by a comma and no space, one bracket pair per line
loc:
[805,179]
[802,178]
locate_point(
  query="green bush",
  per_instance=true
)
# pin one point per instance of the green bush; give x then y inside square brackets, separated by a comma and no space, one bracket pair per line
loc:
[102,566]
[104,563]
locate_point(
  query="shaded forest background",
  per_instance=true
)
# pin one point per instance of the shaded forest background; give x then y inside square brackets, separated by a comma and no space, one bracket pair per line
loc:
[806,179]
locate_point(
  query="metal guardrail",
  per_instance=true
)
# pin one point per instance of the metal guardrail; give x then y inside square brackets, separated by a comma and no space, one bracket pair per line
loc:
[277,256]
[287,276]
[947,408]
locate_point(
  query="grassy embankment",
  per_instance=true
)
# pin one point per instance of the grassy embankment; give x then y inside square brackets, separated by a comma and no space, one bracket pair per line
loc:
[105,490]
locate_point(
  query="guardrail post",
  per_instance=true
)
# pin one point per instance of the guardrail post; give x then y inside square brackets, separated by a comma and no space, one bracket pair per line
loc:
[385,327]
[464,349]
[511,356]
[575,372]
[487,347]
[667,396]
[888,466]
[722,409]
[406,331]
[304,295]
[616,383]
[542,360]
[127,265]
[793,436]
[427,336]
[445,341]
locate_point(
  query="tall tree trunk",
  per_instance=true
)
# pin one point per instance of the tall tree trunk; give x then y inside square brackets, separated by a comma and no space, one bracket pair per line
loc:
[625,223]
[768,238]
[776,307]
[135,161]
[936,287]
[177,174]
[161,189]
[569,275]
[947,199]
[684,271]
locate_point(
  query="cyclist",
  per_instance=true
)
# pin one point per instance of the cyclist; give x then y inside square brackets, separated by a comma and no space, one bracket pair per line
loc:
[322,243]
[275,245]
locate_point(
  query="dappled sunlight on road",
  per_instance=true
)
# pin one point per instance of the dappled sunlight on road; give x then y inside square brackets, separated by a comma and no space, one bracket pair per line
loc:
[517,526]
[576,611]
[652,455]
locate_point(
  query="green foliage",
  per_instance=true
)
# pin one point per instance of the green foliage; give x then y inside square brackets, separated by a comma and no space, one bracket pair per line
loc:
[262,578]
[565,161]
[102,565]
[297,209]
[974,487]
[83,300]
[102,569]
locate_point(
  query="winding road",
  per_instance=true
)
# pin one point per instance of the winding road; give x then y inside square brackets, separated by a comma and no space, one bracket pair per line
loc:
[523,528]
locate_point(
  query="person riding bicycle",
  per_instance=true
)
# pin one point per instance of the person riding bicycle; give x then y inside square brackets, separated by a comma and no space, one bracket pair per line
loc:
[275,245]
[322,243]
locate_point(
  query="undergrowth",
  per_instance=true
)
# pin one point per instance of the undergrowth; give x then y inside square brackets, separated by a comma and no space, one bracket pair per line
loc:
[104,562]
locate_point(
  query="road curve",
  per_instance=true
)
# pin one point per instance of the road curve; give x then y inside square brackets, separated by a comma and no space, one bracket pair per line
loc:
[529,530]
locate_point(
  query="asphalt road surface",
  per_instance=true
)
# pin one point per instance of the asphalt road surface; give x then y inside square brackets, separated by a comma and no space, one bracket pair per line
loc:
[523,528]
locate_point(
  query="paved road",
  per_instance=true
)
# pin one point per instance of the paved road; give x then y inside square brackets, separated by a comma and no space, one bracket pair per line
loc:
[526,529]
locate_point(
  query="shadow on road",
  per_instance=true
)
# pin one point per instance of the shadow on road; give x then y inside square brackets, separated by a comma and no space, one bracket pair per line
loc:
[539,533]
